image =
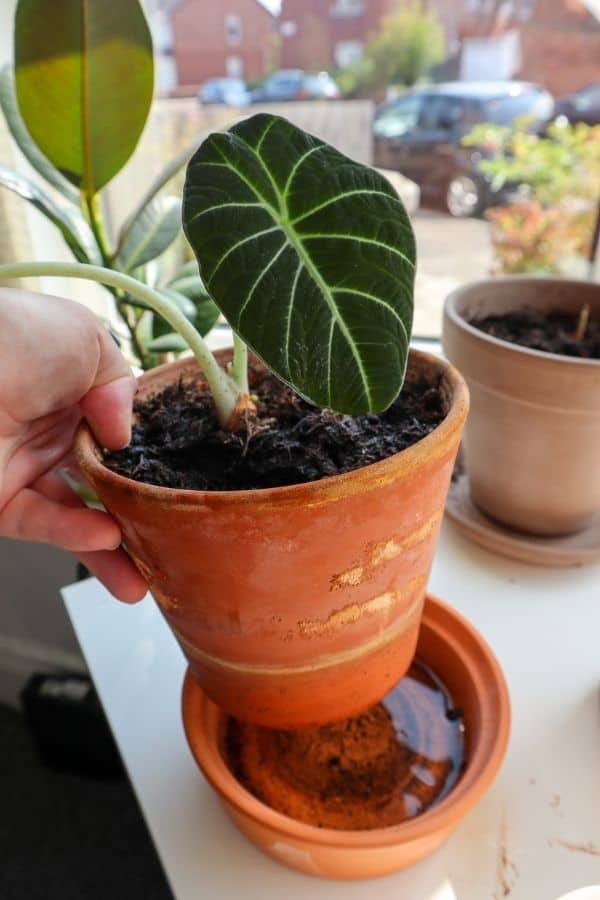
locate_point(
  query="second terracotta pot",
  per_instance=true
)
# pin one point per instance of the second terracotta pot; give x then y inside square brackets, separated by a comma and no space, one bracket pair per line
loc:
[294,605]
[532,442]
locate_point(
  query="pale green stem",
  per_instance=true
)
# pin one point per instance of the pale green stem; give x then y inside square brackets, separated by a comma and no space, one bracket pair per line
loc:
[225,392]
[239,366]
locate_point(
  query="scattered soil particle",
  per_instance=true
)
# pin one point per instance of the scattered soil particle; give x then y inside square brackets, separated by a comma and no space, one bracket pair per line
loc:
[589,848]
[507,873]
[178,443]
[553,332]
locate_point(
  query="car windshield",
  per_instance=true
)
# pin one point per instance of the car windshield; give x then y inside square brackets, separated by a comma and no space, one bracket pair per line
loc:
[317,82]
[398,119]
[587,98]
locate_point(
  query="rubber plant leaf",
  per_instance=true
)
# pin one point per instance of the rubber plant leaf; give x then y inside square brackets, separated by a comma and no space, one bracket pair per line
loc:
[84,79]
[309,255]
[24,141]
[151,233]
[73,227]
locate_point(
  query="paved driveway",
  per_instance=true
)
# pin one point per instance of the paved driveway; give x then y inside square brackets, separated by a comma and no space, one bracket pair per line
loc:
[450,252]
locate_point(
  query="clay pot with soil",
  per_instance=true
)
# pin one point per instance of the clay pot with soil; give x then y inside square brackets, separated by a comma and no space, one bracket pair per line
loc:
[285,512]
[529,349]
[297,603]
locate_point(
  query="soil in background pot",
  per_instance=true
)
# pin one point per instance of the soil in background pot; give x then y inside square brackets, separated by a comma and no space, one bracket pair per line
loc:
[553,332]
[378,769]
[177,441]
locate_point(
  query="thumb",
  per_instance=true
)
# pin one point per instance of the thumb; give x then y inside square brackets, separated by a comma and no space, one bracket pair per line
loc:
[107,409]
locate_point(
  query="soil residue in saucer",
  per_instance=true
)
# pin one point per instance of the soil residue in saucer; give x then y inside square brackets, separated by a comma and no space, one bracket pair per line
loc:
[378,769]
[177,441]
[553,332]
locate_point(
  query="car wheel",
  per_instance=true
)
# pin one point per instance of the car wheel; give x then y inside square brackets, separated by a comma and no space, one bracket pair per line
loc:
[463,196]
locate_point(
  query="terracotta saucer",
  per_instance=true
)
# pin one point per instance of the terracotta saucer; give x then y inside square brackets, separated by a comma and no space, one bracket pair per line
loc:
[572,550]
[463,661]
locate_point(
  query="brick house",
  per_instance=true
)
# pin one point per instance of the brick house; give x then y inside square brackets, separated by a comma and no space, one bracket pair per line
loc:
[553,42]
[324,34]
[214,38]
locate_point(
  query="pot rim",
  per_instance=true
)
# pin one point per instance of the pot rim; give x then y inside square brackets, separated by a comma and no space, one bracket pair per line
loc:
[377,474]
[506,347]
[483,766]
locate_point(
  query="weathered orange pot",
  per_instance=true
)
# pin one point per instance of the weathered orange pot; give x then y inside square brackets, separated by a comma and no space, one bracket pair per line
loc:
[294,605]
[469,669]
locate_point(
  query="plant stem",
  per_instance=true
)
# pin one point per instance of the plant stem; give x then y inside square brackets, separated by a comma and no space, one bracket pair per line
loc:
[582,324]
[91,203]
[239,366]
[224,390]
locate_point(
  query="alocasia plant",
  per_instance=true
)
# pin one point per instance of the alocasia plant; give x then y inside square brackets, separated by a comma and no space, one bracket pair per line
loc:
[309,255]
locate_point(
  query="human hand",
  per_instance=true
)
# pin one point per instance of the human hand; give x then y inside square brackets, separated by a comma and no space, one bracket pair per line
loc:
[57,364]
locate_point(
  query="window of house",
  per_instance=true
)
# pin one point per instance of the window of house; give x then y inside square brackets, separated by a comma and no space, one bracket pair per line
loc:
[347,52]
[289,28]
[524,10]
[347,9]
[234,67]
[233,30]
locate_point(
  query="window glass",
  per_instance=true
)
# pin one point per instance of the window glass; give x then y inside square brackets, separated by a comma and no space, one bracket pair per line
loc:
[587,98]
[347,9]
[504,110]
[233,30]
[399,119]
[440,114]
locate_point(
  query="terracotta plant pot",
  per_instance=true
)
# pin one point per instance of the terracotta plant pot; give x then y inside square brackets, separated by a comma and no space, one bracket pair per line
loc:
[532,440]
[468,668]
[294,605]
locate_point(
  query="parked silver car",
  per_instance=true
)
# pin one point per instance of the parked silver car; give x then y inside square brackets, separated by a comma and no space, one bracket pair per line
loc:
[229,91]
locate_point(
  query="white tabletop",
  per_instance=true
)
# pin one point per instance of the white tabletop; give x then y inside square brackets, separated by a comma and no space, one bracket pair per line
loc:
[536,834]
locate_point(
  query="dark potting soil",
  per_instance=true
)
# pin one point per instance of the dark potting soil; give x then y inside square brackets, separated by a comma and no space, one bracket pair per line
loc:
[549,332]
[178,443]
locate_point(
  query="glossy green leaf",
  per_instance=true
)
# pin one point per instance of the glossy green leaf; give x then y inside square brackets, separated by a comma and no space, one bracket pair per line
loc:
[69,221]
[171,342]
[186,306]
[201,311]
[191,285]
[207,314]
[84,77]
[16,126]
[309,255]
[151,233]
[187,281]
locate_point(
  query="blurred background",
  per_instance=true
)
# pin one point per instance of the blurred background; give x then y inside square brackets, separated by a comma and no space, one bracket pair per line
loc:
[484,114]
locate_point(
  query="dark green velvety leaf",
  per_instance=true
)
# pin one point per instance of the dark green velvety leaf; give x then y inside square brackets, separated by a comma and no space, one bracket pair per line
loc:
[68,220]
[8,102]
[309,255]
[84,76]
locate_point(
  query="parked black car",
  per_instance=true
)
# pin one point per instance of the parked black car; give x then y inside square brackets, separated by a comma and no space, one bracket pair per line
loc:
[581,106]
[420,135]
[296,84]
